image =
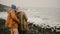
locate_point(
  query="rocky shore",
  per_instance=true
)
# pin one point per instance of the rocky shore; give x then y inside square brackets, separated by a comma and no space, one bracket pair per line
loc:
[33,29]
[3,30]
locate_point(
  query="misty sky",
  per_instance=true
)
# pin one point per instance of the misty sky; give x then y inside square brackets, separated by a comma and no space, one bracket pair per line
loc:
[33,3]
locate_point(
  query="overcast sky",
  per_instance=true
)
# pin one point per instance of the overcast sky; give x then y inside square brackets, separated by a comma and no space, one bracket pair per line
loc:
[33,3]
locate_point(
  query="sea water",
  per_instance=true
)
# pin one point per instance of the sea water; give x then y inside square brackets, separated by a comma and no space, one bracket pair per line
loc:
[48,16]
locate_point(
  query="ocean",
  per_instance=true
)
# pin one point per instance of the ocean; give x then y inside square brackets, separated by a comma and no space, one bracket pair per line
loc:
[38,16]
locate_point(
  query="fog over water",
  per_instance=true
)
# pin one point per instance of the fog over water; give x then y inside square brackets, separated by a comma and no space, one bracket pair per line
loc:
[50,16]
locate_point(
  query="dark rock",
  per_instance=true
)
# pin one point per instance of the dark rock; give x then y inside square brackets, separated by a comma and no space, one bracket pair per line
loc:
[3,30]
[33,29]
[3,7]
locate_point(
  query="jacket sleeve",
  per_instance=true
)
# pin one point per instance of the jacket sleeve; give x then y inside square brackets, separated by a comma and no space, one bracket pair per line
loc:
[25,16]
[13,15]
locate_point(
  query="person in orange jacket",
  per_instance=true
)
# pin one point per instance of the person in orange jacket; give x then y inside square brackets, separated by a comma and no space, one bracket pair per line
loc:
[12,20]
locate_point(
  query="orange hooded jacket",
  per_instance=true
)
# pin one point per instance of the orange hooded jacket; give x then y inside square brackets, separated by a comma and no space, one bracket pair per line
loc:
[10,23]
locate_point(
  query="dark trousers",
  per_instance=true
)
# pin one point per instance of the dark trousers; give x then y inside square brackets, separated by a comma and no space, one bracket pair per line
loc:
[21,32]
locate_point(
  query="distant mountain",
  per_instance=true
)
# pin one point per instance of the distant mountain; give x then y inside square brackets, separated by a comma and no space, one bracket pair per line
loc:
[3,7]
